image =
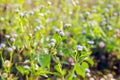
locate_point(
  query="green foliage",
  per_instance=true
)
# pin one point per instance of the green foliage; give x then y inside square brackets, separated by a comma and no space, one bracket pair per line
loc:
[55,38]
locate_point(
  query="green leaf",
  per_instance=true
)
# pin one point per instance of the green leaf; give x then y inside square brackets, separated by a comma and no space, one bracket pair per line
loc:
[57,74]
[79,70]
[22,70]
[84,65]
[44,60]
[90,61]
[58,68]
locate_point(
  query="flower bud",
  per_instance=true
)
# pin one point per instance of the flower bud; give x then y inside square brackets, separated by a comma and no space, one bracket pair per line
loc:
[7,63]
[52,44]
[61,33]
[79,47]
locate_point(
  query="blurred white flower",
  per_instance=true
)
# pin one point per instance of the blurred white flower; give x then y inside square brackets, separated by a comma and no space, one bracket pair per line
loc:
[26,67]
[102,79]
[2,45]
[31,12]
[85,4]
[7,63]
[10,49]
[30,34]
[106,10]
[17,10]
[21,14]
[110,5]
[52,44]
[87,13]
[14,35]
[13,47]
[26,61]
[38,21]
[36,66]
[12,39]
[49,2]
[94,6]
[91,78]
[61,33]
[37,28]
[74,75]
[101,44]
[4,75]
[79,47]
[57,30]
[87,70]
[67,25]
[91,23]
[94,10]
[109,27]
[115,14]
[88,74]
[90,42]
[70,11]
[83,32]
[7,36]
[67,33]
[110,76]
[53,40]
[46,50]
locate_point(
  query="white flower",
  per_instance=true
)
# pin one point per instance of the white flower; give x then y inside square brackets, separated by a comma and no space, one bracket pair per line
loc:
[83,32]
[36,66]
[7,63]
[74,75]
[91,23]
[88,74]
[52,44]
[110,5]
[21,14]
[110,76]
[46,50]
[2,45]
[87,70]
[17,10]
[26,61]
[87,13]
[79,47]
[67,25]
[101,44]
[90,42]
[12,39]
[61,33]
[10,49]
[91,78]
[30,34]
[49,2]
[106,10]
[115,13]
[31,12]
[102,78]
[26,67]
[109,27]
[37,28]
[38,21]
[53,40]
[14,35]
[4,75]
[14,47]
[57,30]
[7,36]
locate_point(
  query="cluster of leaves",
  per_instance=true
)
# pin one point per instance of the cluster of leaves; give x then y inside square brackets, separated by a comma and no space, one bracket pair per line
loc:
[54,38]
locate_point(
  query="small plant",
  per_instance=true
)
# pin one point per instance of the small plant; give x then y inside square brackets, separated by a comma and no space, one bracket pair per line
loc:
[59,39]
